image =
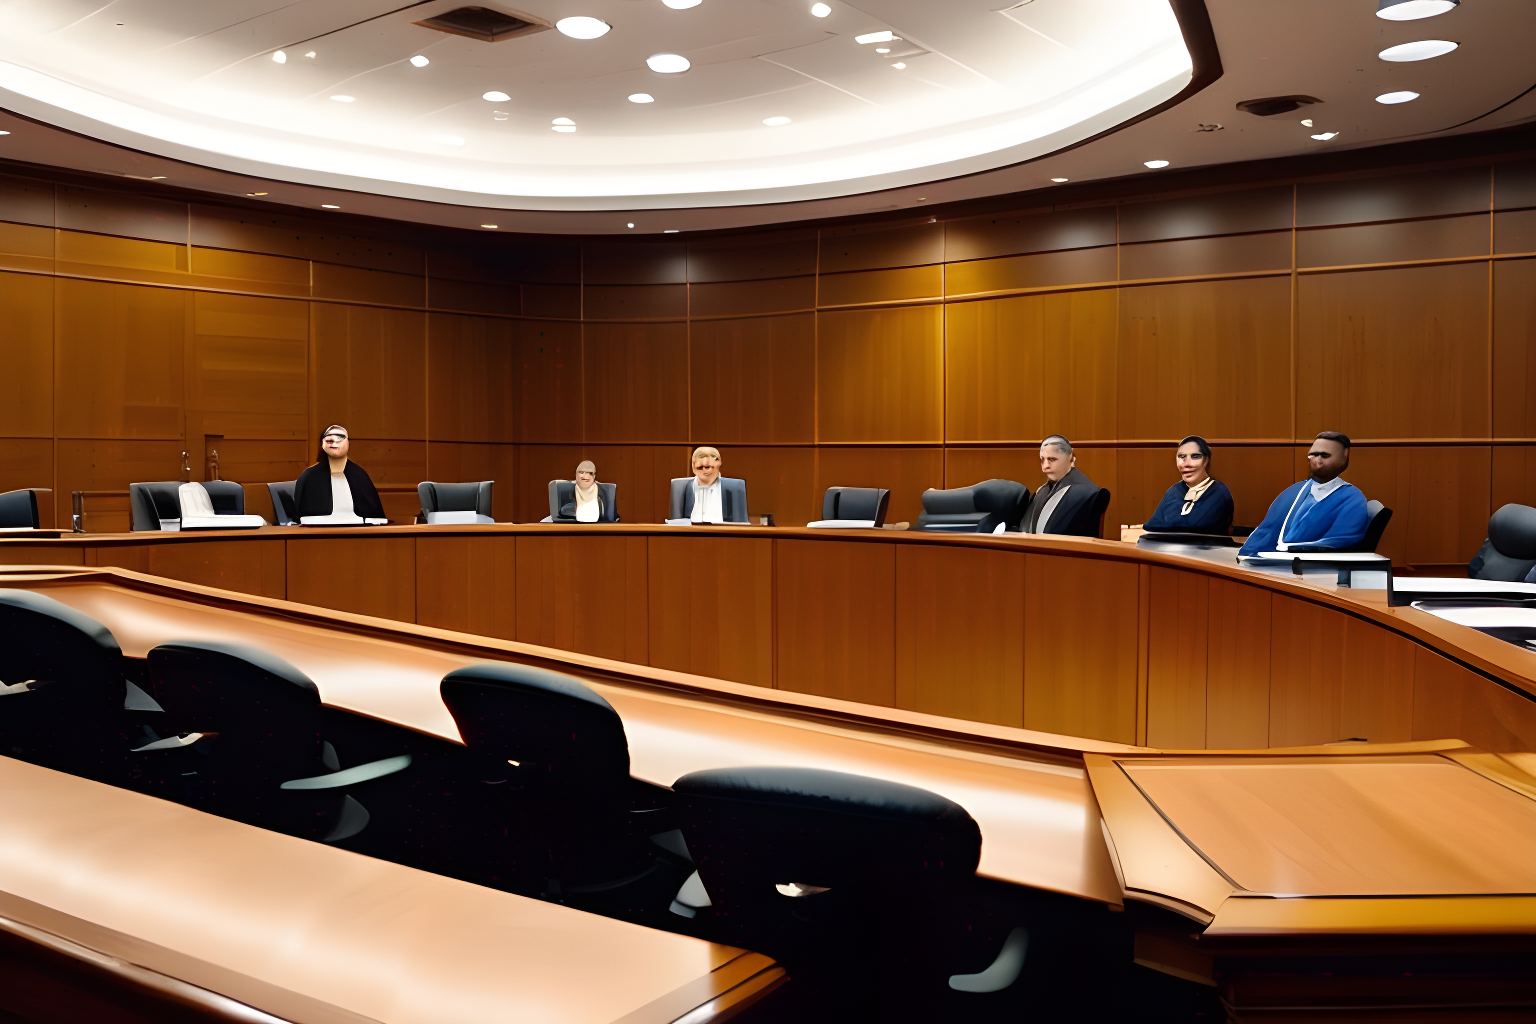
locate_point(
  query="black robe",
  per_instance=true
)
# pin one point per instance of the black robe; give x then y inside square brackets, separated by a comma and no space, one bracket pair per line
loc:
[1073,514]
[312,492]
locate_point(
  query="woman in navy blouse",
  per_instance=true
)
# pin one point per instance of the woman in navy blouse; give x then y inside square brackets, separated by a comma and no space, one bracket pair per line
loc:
[1198,503]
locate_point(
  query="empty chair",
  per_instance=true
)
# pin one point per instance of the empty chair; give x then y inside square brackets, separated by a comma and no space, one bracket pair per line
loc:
[980,508]
[152,502]
[283,513]
[456,503]
[18,510]
[1509,553]
[562,502]
[854,506]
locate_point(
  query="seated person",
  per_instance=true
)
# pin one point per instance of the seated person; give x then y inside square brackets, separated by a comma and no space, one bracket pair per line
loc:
[335,487]
[708,497]
[1064,503]
[589,501]
[1321,513]
[1198,503]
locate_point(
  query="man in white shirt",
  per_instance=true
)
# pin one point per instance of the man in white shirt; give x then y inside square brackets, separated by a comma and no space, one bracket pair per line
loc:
[708,502]
[1320,513]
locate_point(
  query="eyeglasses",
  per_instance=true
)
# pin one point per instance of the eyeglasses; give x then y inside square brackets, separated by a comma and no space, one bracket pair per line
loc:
[341,437]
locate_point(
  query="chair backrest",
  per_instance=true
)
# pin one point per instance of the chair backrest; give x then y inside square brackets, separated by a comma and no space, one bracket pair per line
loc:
[152,502]
[227,496]
[562,495]
[283,511]
[856,503]
[19,509]
[469,497]
[1380,516]
[1004,501]
[734,486]
[1509,553]
[979,508]
[1096,513]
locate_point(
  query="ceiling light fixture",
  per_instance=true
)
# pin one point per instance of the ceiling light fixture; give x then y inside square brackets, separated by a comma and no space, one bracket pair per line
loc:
[5,133]
[882,49]
[876,37]
[157,177]
[1325,136]
[682,5]
[774,122]
[1306,122]
[631,224]
[1157,164]
[449,140]
[280,57]
[1413,10]
[499,115]
[420,61]
[491,226]
[1059,180]
[899,65]
[582,27]
[563,124]
[495,96]
[1424,49]
[641,97]
[255,193]
[1403,96]
[667,63]
[329,206]
[670,231]
[820,10]
[344,99]
[310,54]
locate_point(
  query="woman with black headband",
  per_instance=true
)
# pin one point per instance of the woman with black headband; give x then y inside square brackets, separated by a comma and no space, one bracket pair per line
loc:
[336,491]
[1198,503]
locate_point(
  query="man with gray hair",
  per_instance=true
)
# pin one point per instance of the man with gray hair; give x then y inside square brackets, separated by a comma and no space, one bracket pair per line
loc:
[1067,502]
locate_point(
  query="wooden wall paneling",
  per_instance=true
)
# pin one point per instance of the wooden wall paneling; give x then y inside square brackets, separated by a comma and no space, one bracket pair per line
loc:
[1224,213]
[1205,357]
[111,464]
[1513,476]
[1514,348]
[1306,673]
[256,462]
[471,282]
[976,238]
[1037,270]
[1081,647]
[634,301]
[1514,184]
[711,607]
[537,464]
[880,374]
[114,213]
[26,353]
[121,259]
[753,381]
[753,257]
[348,248]
[866,286]
[249,371]
[366,575]
[45,553]
[470,378]
[468,583]
[1394,353]
[26,201]
[905,472]
[740,298]
[1177,667]
[960,633]
[248,272]
[876,246]
[358,284]
[1194,257]
[1018,369]
[634,263]
[252,231]
[28,462]
[547,381]
[368,369]
[1439,498]
[1376,684]
[120,359]
[1451,701]
[584,594]
[1514,231]
[245,566]
[1401,241]
[835,610]
[635,383]
[1393,196]
[1237,688]
[779,480]
[463,462]
[966,466]
[26,247]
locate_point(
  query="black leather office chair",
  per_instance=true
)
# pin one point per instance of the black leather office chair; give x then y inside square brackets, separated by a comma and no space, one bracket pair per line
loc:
[284,512]
[733,498]
[863,503]
[62,689]
[1097,510]
[830,872]
[1380,517]
[1509,553]
[562,502]
[18,509]
[979,508]
[152,502]
[469,497]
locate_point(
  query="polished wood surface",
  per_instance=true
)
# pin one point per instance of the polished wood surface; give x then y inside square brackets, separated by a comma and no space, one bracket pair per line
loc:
[1066,635]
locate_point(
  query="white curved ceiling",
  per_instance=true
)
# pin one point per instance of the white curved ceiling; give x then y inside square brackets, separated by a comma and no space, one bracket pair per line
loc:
[966,86]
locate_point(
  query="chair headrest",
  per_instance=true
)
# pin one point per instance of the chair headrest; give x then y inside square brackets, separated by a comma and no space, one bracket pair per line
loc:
[253,656]
[39,604]
[998,495]
[816,789]
[1513,531]
[957,501]
[530,680]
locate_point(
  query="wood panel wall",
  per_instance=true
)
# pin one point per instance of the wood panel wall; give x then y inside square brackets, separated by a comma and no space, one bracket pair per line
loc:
[1397,306]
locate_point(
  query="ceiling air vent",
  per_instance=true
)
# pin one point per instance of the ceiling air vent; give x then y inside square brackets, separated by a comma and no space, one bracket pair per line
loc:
[1269,106]
[485,24]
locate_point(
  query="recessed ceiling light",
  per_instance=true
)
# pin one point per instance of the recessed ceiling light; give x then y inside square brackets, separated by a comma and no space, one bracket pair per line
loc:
[875,37]
[280,57]
[491,226]
[667,63]
[449,140]
[329,206]
[1325,136]
[5,133]
[882,49]
[820,10]
[157,177]
[344,99]
[563,120]
[310,54]
[420,61]
[1306,122]
[641,97]
[1403,96]
[255,193]
[631,224]
[900,65]
[1413,10]
[499,115]
[670,231]
[495,96]
[1157,164]
[563,124]
[774,122]
[1058,180]
[1421,50]
[582,27]
[682,5]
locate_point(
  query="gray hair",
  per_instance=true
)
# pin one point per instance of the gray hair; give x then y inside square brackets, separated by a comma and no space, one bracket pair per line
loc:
[586,466]
[1058,442]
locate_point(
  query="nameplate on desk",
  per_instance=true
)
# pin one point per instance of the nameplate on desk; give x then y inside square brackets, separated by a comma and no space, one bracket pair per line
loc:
[334,520]
[222,522]
[457,519]
[842,524]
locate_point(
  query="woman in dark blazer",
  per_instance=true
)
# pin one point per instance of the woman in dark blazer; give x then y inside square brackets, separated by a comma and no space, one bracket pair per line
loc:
[1198,503]
[335,485]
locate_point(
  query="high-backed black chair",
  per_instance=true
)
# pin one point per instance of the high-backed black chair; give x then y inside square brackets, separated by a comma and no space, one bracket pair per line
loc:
[857,503]
[827,871]
[284,512]
[1509,553]
[1380,517]
[980,508]
[62,689]
[18,509]
[152,502]
[562,502]
[733,498]
[1097,510]
[470,497]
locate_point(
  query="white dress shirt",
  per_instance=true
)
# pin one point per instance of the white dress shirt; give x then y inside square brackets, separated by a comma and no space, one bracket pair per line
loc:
[341,496]
[1321,491]
[708,503]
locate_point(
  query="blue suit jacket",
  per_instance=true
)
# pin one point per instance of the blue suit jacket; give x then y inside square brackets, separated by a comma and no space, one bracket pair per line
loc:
[1338,521]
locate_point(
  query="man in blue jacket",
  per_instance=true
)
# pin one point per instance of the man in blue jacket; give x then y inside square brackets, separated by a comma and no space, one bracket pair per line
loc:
[1322,513]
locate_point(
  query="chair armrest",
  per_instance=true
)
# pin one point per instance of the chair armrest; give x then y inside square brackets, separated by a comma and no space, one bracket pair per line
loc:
[352,776]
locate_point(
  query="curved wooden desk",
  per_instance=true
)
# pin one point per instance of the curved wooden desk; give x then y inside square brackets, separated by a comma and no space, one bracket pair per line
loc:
[1081,637]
